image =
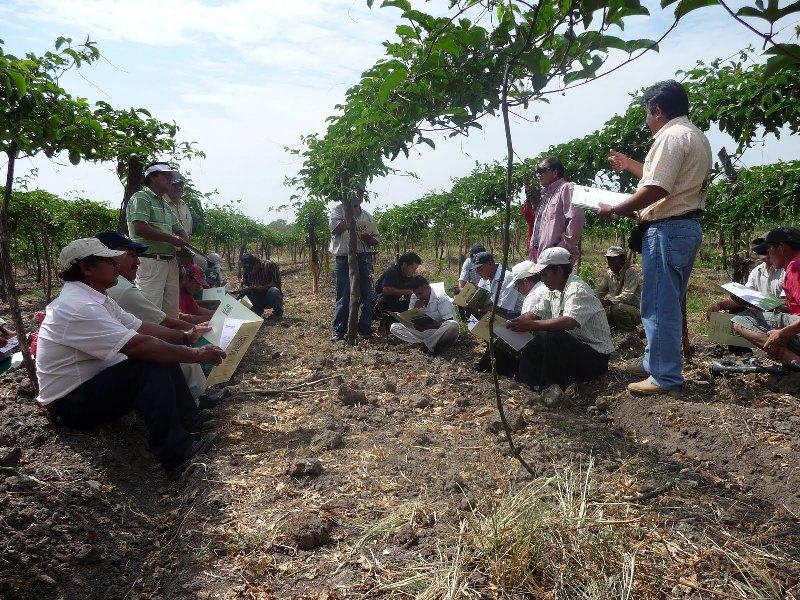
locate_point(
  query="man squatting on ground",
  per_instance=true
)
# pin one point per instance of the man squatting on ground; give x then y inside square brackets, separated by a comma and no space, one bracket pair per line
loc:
[95,362]
[571,338]
[394,287]
[509,303]
[442,330]
[670,199]
[778,333]
[151,222]
[261,283]
[620,291]
[340,242]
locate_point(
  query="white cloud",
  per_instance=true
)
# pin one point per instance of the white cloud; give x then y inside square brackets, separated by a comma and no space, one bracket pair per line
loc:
[249,77]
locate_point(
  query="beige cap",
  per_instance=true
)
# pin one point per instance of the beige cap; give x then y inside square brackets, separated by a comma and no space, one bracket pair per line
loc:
[521,270]
[84,248]
[615,251]
[550,257]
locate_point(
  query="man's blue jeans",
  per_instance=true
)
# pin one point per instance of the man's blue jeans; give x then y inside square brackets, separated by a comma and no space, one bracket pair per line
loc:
[668,253]
[343,294]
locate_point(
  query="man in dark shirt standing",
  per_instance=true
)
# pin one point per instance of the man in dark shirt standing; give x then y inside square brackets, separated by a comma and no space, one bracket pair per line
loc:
[395,286]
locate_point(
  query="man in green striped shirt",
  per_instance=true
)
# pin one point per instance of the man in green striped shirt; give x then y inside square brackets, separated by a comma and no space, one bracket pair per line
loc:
[152,222]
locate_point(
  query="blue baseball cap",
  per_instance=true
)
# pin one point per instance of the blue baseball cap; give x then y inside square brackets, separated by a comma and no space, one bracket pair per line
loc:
[114,239]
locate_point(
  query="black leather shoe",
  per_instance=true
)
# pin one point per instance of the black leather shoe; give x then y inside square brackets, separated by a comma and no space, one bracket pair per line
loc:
[210,399]
[198,446]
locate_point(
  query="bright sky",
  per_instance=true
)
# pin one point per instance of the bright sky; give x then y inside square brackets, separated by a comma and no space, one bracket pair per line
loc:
[245,78]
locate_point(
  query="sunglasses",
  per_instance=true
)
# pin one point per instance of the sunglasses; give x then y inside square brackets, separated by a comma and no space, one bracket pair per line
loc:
[542,170]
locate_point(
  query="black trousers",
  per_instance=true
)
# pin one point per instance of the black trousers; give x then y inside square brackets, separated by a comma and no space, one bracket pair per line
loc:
[558,357]
[156,391]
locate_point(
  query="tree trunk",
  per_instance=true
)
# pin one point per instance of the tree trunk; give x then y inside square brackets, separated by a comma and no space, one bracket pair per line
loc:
[312,244]
[37,258]
[8,270]
[48,262]
[134,180]
[352,262]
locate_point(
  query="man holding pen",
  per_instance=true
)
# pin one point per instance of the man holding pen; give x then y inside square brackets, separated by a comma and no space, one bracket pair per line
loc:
[670,199]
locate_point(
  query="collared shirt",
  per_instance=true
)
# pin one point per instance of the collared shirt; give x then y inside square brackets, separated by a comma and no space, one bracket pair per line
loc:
[534,297]
[439,307]
[340,243]
[146,206]
[629,285]
[767,280]
[558,221]
[131,299]
[182,213]
[679,161]
[468,272]
[579,302]
[510,298]
[81,335]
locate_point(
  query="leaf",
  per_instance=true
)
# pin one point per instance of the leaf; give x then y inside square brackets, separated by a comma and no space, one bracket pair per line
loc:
[686,6]
[74,157]
[403,5]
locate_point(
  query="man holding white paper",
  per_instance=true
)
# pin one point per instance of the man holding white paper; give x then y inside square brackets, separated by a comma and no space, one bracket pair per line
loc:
[670,199]
[571,339]
[441,330]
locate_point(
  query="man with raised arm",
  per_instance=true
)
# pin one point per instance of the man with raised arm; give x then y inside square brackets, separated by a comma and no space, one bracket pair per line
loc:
[669,200]
[151,222]
[556,221]
[95,362]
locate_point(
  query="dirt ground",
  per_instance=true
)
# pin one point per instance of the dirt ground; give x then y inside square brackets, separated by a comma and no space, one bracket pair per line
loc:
[372,466]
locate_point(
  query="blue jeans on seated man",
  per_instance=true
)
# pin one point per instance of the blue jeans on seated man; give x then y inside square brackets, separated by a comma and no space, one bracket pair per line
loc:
[668,253]
[272,298]
[342,308]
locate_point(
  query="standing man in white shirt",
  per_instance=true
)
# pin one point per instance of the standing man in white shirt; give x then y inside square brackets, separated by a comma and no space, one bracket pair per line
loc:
[670,199]
[95,362]
[340,243]
[442,330]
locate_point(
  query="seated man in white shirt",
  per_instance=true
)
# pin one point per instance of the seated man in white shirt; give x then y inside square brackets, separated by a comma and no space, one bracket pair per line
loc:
[95,362]
[441,330]
[131,299]
[572,339]
[531,289]
[763,278]
[509,304]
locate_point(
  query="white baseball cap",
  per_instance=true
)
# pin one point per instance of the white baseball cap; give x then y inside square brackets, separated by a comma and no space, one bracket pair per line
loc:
[521,270]
[159,168]
[84,248]
[550,257]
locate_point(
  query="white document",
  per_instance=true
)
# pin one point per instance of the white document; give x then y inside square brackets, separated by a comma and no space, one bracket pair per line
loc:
[471,322]
[590,197]
[751,296]
[13,342]
[229,329]
[516,339]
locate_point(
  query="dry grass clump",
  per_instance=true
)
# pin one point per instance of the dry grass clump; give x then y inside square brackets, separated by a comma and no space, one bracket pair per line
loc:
[553,539]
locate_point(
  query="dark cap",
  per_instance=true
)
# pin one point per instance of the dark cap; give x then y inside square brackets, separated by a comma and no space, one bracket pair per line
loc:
[783,235]
[114,239]
[483,258]
[759,246]
[477,248]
